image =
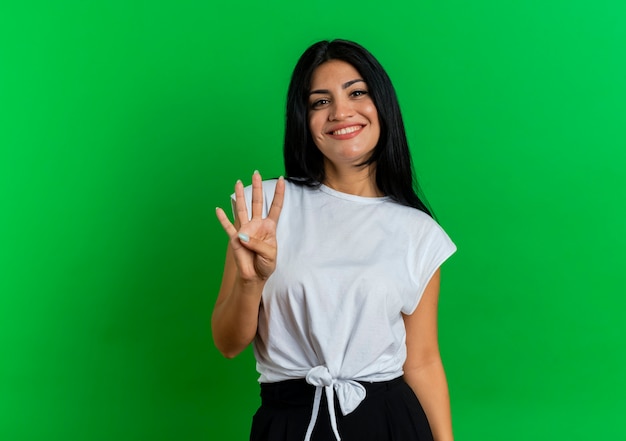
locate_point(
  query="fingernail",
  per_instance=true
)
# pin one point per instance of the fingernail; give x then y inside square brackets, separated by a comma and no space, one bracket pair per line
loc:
[244,237]
[238,181]
[256,172]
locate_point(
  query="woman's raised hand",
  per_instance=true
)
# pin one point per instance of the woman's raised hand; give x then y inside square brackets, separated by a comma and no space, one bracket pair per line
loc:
[253,238]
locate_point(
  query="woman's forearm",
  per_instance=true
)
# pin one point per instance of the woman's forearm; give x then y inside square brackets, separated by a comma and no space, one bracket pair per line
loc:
[431,387]
[235,319]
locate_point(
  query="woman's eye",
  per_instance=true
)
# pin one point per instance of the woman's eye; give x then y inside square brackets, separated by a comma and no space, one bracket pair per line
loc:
[319,103]
[359,93]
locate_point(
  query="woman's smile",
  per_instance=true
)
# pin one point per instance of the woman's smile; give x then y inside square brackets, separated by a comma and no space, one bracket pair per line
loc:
[346,132]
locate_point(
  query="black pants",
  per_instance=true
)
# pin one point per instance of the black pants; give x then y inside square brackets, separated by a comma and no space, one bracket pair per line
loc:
[390,412]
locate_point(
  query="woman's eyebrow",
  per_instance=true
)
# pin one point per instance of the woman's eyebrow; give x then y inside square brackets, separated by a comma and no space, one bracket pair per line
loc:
[351,82]
[343,86]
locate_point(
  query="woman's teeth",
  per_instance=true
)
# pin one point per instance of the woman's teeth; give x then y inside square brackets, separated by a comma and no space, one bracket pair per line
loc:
[346,130]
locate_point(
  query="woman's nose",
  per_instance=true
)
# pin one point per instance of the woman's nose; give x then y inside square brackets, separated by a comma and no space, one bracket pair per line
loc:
[341,109]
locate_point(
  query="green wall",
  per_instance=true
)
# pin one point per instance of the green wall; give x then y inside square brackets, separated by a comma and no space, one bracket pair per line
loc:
[124,123]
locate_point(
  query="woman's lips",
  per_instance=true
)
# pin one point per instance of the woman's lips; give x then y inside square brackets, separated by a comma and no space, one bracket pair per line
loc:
[346,132]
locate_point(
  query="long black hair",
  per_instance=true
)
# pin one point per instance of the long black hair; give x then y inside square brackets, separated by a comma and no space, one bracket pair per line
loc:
[304,163]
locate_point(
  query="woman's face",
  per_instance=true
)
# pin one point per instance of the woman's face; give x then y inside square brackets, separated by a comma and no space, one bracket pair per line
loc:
[343,119]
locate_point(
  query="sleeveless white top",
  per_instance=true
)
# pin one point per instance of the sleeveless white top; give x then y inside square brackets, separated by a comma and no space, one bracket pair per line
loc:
[347,268]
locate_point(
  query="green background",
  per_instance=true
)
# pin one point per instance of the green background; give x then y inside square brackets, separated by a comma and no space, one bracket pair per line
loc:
[124,123]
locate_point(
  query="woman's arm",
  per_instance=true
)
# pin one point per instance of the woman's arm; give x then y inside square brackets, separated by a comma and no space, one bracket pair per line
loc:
[423,369]
[250,260]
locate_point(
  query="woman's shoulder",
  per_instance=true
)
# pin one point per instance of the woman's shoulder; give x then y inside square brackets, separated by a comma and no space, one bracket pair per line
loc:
[413,219]
[408,212]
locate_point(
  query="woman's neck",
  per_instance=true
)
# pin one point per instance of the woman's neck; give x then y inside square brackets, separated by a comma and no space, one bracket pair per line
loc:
[358,181]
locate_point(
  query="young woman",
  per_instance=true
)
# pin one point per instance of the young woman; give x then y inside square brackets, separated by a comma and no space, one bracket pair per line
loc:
[333,273]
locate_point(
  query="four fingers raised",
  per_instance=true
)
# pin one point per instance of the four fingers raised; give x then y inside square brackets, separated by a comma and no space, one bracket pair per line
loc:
[241,208]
